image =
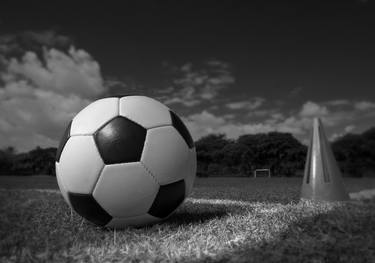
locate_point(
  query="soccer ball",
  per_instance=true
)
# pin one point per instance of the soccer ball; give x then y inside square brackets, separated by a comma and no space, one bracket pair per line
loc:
[125,161]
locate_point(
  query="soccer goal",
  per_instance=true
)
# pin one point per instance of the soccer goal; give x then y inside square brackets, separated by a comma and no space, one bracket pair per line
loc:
[262,173]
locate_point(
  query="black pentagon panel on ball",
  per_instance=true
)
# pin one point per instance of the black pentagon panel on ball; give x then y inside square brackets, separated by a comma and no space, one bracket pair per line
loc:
[169,197]
[63,141]
[181,128]
[120,141]
[87,207]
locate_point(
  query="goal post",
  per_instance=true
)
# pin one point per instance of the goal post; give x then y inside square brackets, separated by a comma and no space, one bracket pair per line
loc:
[262,173]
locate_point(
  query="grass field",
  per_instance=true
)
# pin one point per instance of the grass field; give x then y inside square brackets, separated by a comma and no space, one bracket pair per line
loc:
[226,219]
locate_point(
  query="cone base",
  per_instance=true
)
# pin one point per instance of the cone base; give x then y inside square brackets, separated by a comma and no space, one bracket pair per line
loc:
[320,199]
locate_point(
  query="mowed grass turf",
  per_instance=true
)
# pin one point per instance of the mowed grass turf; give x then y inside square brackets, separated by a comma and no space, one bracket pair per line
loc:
[225,219]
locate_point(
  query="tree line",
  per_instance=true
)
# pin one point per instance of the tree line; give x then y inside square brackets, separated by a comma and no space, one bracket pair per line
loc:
[280,152]
[38,161]
[217,155]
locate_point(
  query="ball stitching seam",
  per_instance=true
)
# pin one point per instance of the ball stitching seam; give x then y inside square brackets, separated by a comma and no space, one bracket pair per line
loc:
[149,172]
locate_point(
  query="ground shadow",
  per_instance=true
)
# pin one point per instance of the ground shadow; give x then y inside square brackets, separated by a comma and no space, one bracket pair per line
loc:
[187,214]
[344,234]
[198,213]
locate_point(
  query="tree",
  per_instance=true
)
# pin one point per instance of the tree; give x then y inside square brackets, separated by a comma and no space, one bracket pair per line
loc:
[43,160]
[208,149]
[355,153]
[218,156]
[6,160]
[36,161]
[280,152]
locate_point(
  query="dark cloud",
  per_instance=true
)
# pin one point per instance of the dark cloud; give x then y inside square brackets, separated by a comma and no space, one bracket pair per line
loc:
[15,45]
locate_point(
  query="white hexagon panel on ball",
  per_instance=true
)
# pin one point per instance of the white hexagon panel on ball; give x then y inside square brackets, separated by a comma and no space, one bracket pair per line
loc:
[79,165]
[91,118]
[62,188]
[145,111]
[165,154]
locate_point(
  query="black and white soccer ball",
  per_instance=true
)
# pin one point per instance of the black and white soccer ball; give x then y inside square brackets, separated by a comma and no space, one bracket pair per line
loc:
[125,161]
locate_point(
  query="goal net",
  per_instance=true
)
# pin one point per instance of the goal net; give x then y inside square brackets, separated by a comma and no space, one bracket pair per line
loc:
[262,173]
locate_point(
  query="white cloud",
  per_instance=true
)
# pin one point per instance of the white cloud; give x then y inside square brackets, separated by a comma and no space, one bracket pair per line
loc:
[337,135]
[204,123]
[349,128]
[218,63]
[72,73]
[277,116]
[337,102]
[250,104]
[330,117]
[312,109]
[193,86]
[186,102]
[364,105]
[299,123]
[41,94]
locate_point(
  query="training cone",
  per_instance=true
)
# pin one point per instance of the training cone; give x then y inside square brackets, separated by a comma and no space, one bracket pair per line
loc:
[322,180]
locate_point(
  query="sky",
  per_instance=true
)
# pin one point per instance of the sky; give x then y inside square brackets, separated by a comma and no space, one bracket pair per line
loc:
[231,67]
